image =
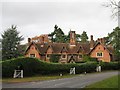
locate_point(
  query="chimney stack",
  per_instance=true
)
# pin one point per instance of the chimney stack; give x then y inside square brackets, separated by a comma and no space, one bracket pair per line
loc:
[72,38]
[29,40]
[101,40]
[91,42]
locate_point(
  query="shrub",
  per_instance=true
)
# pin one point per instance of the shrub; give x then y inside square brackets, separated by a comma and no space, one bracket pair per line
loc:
[110,65]
[33,66]
[54,58]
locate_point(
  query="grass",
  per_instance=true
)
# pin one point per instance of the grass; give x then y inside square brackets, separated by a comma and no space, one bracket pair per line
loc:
[111,82]
[34,78]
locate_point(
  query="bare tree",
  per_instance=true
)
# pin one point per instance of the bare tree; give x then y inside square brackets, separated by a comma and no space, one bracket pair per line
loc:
[114,6]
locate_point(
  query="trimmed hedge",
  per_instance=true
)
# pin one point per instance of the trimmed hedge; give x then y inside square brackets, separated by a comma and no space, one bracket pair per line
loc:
[33,66]
[110,65]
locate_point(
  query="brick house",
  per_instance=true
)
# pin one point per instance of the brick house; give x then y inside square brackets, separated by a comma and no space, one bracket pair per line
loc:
[70,52]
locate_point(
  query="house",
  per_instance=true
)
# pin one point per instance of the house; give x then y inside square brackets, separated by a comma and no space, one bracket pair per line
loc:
[68,52]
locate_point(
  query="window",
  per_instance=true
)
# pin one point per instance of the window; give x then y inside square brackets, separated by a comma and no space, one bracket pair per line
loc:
[48,56]
[32,55]
[79,56]
[99,54]
[63,56]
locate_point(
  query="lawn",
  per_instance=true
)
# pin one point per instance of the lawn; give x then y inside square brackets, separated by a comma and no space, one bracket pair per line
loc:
[111,82]
[34,78]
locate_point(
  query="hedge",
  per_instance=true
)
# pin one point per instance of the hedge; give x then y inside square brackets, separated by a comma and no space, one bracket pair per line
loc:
[110,65]
[33,66]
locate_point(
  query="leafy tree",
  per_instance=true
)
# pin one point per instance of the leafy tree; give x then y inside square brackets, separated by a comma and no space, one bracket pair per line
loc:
[84,37]
[113,39]
[10,42]
[58,35]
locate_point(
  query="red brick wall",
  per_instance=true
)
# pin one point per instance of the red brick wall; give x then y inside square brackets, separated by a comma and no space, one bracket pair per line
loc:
[32,50]
[100,48]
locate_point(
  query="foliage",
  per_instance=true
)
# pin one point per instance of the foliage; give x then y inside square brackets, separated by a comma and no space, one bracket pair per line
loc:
[33,66]
[110,65]
[54,58]
[57,35]
[87,58]
[10,42]
[113,39]
[84,37]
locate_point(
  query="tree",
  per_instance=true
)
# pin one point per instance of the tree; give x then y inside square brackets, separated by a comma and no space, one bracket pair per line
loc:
[114,6]
[10,42]
[84,37]
[113,39]
[57,35]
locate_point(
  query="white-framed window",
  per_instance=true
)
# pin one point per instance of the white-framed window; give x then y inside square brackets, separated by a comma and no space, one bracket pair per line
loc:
[32,55]
[80,56]
[48,56]
[99,54]
[64,56]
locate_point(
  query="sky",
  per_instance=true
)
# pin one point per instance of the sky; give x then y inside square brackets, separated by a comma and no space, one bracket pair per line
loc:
[34,17]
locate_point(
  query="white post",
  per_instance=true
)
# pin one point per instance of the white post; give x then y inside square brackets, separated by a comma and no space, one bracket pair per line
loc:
[99,68]
[21,73]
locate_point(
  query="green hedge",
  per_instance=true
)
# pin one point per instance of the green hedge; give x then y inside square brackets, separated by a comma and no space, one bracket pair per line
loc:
[110,65]
[33,66]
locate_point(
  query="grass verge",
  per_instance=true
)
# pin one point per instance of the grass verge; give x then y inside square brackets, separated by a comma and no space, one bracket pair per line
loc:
[35,78]
[111,82]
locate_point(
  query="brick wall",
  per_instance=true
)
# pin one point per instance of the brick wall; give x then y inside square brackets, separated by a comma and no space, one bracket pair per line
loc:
[100,48]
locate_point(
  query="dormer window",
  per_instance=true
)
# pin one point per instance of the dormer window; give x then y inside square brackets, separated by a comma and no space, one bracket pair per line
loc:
[99,54]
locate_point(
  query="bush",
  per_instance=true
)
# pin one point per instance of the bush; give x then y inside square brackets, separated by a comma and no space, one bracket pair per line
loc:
[54,58]
[88,58]
[110,65]
[33,66]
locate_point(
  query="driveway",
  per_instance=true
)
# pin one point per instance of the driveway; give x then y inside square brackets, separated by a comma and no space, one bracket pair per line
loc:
[79,81]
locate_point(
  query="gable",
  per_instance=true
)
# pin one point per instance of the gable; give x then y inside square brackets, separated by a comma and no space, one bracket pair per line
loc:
[49,50]
[64,50]
[100,48]
[80,50]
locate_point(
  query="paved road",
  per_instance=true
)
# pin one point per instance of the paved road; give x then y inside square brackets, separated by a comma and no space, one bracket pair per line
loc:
[74,82]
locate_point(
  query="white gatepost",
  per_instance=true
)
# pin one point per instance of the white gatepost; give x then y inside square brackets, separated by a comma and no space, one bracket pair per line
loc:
[98,69]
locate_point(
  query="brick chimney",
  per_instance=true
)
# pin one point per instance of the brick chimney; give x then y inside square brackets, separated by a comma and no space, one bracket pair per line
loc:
[101,40]
[91,42]
[29,40]
[72,38]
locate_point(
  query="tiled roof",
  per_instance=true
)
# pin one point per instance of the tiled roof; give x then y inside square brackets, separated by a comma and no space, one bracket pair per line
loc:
[62,47]
[58,48]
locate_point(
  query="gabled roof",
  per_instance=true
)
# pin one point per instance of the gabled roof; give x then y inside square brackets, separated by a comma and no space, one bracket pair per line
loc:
[109,49]
[58,48]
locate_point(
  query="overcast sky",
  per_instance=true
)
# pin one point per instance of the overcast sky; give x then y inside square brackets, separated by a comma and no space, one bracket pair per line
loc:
[34,18]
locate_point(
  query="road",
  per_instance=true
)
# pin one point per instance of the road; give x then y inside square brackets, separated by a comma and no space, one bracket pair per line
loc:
[79,81]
